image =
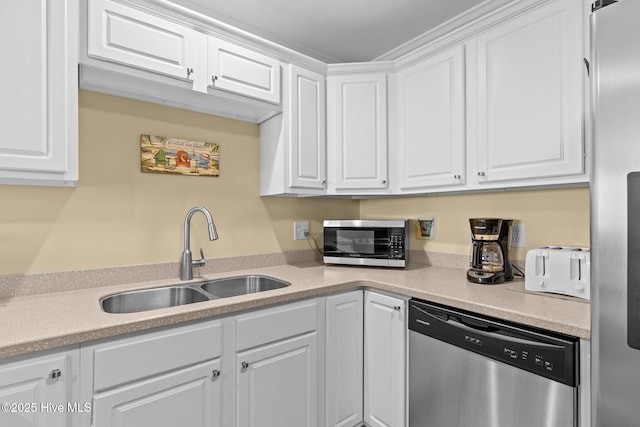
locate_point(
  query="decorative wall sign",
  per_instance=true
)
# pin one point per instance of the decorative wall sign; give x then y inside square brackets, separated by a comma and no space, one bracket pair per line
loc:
[161,154]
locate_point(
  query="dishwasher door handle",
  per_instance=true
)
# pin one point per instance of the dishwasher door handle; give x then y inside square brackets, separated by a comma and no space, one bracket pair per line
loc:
[458,323]
[487,329]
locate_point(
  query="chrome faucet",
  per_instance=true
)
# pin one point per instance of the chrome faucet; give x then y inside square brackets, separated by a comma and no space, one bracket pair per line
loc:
[186,263]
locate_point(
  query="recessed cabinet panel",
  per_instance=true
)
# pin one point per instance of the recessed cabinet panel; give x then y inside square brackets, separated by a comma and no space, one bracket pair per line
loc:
[344,360]
[188,397]
[129,36]
[243,71]
[384,361]
[530,96]
[308,129]
[277,384]
[358,137]
[431,147]
[38,81]
[33,389]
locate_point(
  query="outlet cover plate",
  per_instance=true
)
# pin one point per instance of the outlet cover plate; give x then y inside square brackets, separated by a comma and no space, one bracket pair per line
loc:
[518,236]
[299,230]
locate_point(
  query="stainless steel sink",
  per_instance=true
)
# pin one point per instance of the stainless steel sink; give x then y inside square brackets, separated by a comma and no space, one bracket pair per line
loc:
[171,296]
[151,299]
[241,285]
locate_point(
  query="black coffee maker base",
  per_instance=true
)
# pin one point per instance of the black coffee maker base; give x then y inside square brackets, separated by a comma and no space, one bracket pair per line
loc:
[485,278]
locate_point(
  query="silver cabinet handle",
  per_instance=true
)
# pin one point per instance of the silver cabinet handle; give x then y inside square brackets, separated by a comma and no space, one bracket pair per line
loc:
[215,373]
[213,80]
[244,365]
[189,72]
[384,181]
[55,374]
[457,176]
[481,173]
[397,308]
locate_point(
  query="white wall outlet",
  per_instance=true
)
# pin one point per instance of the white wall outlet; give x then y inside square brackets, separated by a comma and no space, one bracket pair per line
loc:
[300,230]
[518,236]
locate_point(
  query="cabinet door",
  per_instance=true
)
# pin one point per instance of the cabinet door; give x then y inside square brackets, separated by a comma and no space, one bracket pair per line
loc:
[37,392]
[358,130]
[129,36]
[39,102]
[530,95]
[384,360]
[431,146]
[189,397]
[307,129]
[277,384]
[344,360]
[243,71]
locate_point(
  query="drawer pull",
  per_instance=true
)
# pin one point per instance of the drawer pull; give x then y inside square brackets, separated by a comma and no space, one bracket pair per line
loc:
[244,365]
[215,373]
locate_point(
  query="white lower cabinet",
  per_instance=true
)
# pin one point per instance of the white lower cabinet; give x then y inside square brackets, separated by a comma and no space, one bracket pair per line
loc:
[344,354]
[277,366]
[277,384]
[337,361]
[384,360]
[365,360]
[164,378]
[186,397]
[41,390]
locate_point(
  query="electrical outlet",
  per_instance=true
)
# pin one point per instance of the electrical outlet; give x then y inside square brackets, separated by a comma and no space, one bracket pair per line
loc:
[518,237]
[300,230]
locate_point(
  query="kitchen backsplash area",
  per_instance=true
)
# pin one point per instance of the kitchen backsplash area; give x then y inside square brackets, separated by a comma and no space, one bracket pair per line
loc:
[117,216]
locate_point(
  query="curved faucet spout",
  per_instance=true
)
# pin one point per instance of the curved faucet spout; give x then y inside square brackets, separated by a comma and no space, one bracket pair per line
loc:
[186,263]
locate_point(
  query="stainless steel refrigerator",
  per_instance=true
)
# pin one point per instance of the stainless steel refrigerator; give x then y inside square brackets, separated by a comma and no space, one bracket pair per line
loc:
[615,213]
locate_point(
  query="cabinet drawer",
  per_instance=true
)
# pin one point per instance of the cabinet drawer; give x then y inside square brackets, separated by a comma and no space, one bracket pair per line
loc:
[121,361]
[274,324]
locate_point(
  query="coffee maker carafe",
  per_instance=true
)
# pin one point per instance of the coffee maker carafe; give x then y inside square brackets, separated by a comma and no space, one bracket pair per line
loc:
[490,262]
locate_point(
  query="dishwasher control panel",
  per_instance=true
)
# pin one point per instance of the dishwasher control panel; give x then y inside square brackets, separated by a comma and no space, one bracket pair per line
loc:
[550,355]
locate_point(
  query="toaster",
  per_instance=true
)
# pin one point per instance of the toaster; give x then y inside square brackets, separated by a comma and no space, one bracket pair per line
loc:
[562,270]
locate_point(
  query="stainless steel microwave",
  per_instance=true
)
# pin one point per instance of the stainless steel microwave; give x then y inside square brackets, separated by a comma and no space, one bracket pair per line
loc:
[382,243]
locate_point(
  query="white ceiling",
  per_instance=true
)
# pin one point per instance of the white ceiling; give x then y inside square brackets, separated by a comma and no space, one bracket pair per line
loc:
[338,30]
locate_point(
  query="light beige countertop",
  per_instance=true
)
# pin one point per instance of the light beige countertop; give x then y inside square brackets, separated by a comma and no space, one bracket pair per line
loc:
[46,320]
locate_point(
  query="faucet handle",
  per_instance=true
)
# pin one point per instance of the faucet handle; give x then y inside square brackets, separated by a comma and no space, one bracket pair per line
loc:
[199,262]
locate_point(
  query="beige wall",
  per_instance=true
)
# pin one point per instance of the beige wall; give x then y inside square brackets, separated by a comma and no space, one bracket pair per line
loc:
[119,216]
[558,217]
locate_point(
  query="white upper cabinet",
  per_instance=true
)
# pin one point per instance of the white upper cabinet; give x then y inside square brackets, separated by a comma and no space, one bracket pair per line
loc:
[431,122]
[39,102]
[293,144]
[529,96]
[243,71]
[129,36]
[357,132]
[142,51]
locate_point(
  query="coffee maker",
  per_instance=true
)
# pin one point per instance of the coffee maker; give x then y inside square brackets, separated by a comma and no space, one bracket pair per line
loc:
[490,262]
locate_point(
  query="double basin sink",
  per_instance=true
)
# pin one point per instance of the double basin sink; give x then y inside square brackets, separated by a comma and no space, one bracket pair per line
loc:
[171,296]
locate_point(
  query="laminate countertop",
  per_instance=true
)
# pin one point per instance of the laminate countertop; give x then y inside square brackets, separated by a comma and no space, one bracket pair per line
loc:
[37,322]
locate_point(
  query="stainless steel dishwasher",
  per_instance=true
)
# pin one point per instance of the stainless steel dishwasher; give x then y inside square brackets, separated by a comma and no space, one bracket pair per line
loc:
[469,371]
